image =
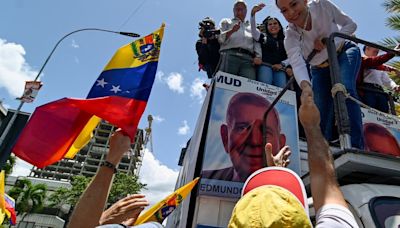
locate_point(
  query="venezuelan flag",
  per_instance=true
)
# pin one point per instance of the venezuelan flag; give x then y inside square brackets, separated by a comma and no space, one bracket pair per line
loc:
[165,207]
[10,209]
[2,200]
[61,128]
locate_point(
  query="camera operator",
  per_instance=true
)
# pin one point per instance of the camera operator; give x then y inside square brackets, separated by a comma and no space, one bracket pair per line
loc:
[207,46]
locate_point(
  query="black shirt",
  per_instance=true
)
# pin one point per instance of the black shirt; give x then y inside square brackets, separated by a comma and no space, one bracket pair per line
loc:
[273,49]
[208,53]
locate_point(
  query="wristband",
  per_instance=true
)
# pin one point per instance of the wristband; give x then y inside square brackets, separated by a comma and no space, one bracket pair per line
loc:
[109,165]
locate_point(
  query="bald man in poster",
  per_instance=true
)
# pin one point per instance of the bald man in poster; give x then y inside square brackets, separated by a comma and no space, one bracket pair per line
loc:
[380,139]
[242,138]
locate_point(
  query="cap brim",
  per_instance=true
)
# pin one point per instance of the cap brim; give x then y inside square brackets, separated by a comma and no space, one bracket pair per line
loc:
[281,177]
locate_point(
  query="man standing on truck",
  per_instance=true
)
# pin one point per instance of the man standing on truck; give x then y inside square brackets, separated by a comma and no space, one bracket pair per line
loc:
[239,51]
[268,201]
[242,137]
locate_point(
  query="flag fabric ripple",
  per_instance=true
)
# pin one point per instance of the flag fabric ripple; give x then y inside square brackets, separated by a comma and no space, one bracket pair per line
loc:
[61,128]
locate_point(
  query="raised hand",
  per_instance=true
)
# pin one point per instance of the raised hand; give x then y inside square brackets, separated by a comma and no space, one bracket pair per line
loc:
[281,159]
[257,8]
[119,144]
[235,27]
[125,210]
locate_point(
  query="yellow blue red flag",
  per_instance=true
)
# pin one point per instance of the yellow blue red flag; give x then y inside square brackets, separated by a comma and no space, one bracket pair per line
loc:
[2,200]
[119,95]
[165,207]
[10,209]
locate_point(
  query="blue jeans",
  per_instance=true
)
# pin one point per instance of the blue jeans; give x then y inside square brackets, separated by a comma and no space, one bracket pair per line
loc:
[376,100]
[267,75]
[349,61]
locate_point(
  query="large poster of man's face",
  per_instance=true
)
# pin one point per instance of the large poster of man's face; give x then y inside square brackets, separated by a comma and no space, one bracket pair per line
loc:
[234,142]
[381,133]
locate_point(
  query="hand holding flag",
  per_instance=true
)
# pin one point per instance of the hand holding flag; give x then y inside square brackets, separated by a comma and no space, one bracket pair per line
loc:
[165,207]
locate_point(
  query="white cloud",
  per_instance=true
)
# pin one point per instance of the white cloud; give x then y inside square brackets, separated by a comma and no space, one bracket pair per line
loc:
[21,168]
[76,60]
[158,119]
[184,130]
[174,82]
[197,90]
[74,44]
[14,70]
[159,178]
[160,76]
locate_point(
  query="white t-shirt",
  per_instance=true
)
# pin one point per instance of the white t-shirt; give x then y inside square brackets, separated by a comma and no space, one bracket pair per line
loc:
[335,216]
[326,18]
[242,38]
[379,77]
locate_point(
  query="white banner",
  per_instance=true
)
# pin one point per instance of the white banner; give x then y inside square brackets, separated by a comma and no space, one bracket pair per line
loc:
[31,90]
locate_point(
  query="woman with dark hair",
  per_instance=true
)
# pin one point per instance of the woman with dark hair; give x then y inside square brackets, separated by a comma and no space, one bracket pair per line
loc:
[273,50]
[310,22]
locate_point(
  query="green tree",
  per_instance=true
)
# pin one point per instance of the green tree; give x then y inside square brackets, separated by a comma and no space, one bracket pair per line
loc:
[123,185]
[393,22]
[8,167]
[69,196]
[29,197]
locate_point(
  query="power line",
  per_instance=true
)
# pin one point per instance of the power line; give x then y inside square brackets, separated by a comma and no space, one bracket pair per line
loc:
[132,14]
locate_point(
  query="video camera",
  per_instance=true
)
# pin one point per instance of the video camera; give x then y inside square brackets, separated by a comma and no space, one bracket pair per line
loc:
[208,26]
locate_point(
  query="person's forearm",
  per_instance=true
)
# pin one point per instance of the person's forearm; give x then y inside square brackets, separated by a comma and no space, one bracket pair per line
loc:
[254,31]
[318,148]
[324,186]
[229,34]
[88,211]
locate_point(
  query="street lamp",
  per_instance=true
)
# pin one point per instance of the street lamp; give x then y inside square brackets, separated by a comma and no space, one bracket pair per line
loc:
[15,114]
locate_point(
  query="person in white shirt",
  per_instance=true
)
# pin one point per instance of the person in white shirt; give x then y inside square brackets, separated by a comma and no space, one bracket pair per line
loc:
[239,51]
[376,79]
[309,23]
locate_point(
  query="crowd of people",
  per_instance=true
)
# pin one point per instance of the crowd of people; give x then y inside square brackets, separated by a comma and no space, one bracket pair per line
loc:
[271,54]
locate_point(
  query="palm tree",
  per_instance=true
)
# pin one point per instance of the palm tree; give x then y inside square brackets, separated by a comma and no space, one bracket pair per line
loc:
[393,22]
[29,198]
[8,167]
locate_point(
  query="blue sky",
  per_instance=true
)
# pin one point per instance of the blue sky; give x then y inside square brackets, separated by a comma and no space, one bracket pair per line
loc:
[30,29]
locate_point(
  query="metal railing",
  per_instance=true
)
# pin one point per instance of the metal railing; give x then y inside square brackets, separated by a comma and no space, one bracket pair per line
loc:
[269,109]
[341,114]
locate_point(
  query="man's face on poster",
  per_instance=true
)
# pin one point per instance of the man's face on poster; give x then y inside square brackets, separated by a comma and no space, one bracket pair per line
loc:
[242,136]
[382,143]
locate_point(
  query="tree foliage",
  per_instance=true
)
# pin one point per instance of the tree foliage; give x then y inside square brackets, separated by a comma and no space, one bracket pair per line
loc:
[69,196]
[29,197]
[393,22]
[8,167]
[123,185]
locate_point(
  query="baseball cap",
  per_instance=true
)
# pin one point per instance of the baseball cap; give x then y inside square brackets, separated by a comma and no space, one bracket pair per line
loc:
[272,197]
[240,2]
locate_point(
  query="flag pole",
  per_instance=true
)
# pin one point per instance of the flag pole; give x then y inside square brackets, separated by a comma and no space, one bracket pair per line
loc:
[15,114]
